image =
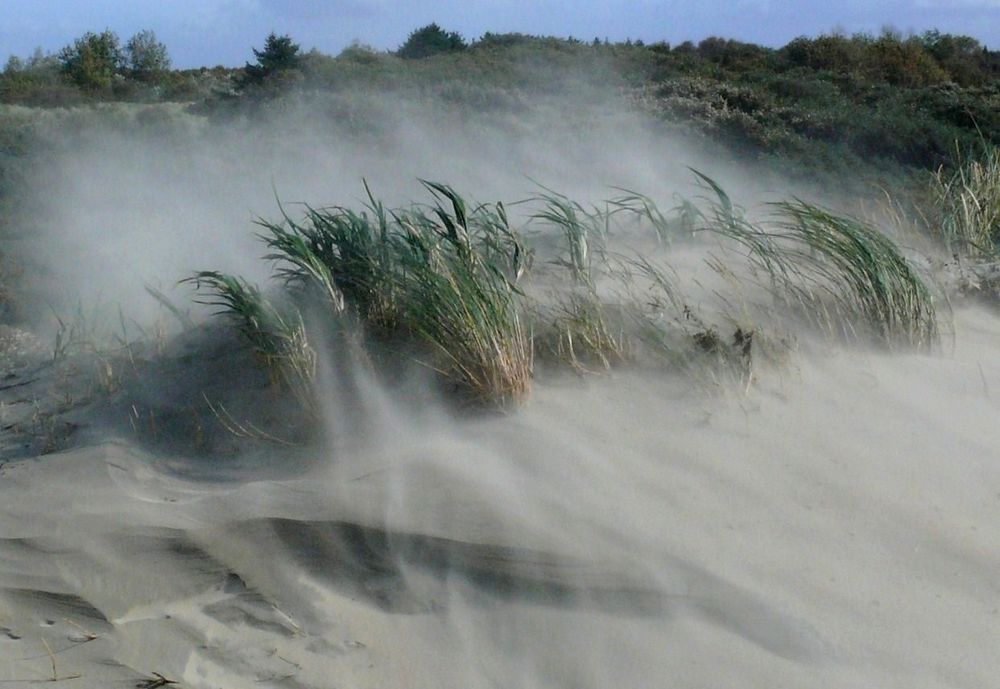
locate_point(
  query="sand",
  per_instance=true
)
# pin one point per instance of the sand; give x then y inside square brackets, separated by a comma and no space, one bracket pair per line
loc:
[838,525]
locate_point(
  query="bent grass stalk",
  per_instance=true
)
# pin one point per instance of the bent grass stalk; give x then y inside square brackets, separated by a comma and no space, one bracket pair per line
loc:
[279,341]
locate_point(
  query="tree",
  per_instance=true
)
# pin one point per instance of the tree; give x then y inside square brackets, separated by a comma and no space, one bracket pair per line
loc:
[146,58]
[279,55]
[14,65]
[93,61]
[430,40]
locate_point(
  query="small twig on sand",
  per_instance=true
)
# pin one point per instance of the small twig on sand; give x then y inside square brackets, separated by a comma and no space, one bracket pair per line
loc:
[55,672]
[87,634]
[52,657]
[156,681]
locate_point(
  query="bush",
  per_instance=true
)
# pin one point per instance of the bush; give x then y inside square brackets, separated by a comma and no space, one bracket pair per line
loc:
[430,40]
[279,57]
[146,58]
[93,61]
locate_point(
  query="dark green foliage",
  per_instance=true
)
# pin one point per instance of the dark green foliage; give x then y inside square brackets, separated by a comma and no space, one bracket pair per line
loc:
[830,104]
[37,80]
[146,58]
[729,53]
[279,55]
[93,61]
[430,40]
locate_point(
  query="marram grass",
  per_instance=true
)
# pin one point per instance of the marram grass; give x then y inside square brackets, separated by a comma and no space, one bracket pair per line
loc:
[460,268]
[444,273]
[458,286]
[966,205]
[279,340]
[838,272]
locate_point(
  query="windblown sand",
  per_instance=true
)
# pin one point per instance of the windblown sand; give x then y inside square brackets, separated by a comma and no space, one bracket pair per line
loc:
[836,526]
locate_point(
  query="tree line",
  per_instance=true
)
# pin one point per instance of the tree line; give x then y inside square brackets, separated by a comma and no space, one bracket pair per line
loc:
[101,64]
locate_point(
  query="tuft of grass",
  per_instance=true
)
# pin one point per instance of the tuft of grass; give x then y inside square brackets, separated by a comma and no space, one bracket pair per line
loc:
[279,341]
[343,255]
[862,270]
[460,270]
[583,231]
[840,273]
[966,200]
[586,332]
[445,273]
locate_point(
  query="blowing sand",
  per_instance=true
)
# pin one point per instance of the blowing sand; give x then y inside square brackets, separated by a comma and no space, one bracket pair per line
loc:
[836,526]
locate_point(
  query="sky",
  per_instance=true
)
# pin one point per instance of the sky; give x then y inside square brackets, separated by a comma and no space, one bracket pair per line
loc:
[212,32]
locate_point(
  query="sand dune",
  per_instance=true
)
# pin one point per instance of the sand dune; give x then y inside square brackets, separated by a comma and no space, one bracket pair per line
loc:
[836,526]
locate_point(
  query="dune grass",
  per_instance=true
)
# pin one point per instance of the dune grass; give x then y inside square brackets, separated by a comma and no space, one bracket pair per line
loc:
[868,281]
[345,256]
[460,269]
[966,201]
[457,287]
[838,272]
[581,229]
[279,340]
[444,273]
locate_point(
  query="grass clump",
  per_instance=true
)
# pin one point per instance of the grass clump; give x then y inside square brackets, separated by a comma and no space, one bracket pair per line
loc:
[966,201]
[579,227]
[444,273]
[862,270]
[455,286]
[839,272]
[460,270]
[279,341]
[345,257]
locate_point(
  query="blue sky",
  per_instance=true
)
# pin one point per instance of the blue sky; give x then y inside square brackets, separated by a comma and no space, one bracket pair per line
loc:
[210,32]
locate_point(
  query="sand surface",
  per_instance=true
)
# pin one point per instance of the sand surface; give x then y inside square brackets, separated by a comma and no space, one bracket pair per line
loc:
[836,526]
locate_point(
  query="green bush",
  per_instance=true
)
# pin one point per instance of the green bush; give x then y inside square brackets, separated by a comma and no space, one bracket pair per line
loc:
[431,40]
[93,61]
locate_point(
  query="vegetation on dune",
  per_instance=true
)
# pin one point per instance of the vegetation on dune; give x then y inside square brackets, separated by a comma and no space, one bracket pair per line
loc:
[431,40]
[829,102]
[459,288]
[445,274]
[966,205]
[871,284]
[277,65]
[277,335]
[839,272]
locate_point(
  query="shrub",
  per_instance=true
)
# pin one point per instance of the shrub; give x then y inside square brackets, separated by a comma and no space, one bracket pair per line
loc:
[93,61]
[430,40]
[278,57]
[146,58]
